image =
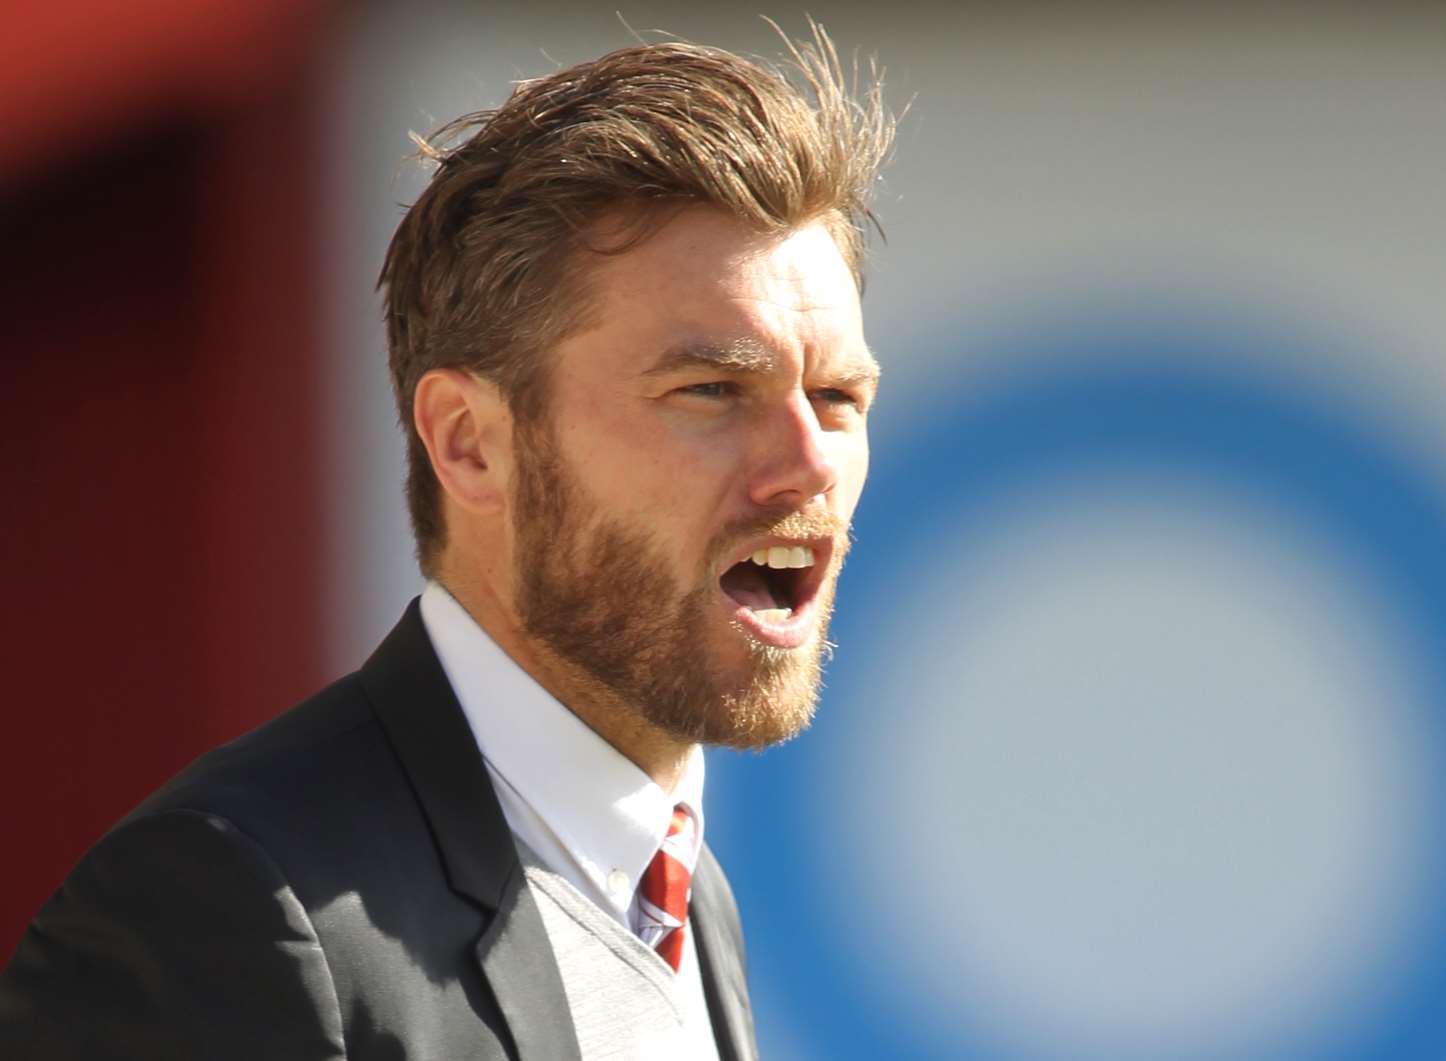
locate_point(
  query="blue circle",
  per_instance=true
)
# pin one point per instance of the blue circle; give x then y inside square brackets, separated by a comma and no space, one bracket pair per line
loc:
[1111,403]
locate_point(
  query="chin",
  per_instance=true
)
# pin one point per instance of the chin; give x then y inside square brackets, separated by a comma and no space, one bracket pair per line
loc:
[771,698]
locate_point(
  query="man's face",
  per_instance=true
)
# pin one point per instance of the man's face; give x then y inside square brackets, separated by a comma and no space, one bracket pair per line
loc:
[712,416]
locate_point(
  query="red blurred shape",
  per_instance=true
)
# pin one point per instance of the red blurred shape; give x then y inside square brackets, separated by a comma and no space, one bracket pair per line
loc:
[163,517]
[89,71]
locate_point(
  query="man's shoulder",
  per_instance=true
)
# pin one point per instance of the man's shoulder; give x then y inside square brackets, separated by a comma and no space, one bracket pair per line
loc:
[320,779]
[294,752]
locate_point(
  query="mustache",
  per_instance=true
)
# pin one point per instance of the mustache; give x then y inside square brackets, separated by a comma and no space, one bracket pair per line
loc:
[793,525]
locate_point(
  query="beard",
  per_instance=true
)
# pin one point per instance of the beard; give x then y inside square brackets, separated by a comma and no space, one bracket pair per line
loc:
[598,593]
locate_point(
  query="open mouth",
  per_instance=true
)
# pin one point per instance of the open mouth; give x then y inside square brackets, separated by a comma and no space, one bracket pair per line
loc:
[775,584]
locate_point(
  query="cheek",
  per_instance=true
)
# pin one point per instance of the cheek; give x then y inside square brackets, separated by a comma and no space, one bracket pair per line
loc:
[852,462]
[688,485]
[643,466]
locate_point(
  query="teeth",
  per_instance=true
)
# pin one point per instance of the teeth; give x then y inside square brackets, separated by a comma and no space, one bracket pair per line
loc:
[783,556]
[773,615]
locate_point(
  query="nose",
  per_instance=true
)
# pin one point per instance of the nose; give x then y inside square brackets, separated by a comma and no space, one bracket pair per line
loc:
[794,460]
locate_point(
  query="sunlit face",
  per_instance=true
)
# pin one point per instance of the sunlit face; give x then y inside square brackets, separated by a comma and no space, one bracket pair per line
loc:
[682,513]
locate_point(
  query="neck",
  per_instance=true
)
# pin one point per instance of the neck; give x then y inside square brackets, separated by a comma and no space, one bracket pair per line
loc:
[660,755]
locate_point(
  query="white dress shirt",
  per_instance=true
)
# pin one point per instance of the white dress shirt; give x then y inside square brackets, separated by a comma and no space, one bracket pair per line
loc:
[588,812]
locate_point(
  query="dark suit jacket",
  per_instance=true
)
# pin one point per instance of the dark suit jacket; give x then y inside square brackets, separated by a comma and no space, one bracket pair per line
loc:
[338,883]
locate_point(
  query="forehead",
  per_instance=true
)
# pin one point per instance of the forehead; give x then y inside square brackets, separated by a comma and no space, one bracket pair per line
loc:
[706,279]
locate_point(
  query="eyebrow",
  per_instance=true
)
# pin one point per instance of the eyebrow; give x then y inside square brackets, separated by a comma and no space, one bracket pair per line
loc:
[745,355]
[741,355]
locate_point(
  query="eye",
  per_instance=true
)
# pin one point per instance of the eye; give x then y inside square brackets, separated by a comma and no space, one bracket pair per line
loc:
[835,396]
[714,389]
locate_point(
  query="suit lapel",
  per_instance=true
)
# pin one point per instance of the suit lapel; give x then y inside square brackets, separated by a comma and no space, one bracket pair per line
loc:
[718,936]
[426,726]
[524,977]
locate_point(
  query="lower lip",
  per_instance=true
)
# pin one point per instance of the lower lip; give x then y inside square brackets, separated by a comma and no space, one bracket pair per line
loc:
[793,632]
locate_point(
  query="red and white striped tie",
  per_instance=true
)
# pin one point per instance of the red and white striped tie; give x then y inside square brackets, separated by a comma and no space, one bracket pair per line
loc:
[663,893]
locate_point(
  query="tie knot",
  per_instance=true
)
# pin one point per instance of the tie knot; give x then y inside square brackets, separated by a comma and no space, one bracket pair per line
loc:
[680,835]
[663,894]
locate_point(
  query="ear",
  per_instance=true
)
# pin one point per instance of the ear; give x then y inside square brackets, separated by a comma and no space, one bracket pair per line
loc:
[467,428]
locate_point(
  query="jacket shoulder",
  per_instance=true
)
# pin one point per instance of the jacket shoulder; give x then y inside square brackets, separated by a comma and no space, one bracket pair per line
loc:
[172,927]
[319,789]
[275,755]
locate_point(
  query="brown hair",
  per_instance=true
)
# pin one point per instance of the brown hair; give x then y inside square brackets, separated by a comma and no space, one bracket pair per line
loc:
[481,274]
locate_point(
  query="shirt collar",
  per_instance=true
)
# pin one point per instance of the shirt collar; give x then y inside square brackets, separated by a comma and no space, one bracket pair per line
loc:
[605,810]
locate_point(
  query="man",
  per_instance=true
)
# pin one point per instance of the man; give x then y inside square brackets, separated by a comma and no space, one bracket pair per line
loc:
[626,342]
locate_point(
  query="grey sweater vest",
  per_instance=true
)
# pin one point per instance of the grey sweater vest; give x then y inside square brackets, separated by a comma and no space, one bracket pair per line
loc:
[626,1004]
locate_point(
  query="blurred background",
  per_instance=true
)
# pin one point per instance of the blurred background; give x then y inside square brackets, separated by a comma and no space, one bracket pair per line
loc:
[1132,746]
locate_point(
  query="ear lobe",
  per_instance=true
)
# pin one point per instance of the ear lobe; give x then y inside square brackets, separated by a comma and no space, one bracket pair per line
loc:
[464,423]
